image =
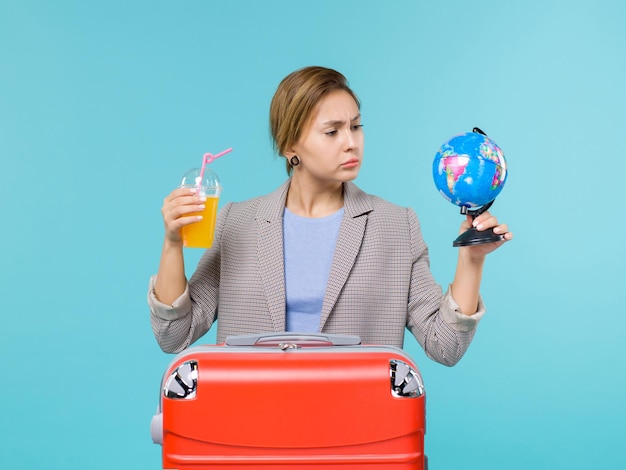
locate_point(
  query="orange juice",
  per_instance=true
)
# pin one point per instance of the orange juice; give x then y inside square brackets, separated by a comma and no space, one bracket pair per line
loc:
[200,234]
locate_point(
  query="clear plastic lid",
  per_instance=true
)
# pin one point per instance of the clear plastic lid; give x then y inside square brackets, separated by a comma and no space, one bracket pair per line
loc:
[209,184]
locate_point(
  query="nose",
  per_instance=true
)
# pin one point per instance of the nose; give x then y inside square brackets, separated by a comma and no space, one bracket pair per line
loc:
[350,140]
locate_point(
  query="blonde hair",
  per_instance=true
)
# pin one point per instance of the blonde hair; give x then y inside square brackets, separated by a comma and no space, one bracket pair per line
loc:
[295,101]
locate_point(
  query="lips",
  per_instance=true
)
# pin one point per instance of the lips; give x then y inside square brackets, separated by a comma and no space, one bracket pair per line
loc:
[350,163]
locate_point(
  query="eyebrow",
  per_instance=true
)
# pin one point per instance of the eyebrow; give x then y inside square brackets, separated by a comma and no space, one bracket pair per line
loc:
[339,122]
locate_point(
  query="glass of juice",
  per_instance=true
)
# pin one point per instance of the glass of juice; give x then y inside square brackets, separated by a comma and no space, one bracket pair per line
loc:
[200,234]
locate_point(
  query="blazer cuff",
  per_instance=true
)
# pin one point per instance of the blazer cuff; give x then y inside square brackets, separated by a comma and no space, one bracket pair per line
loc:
[179,308]
[452,315]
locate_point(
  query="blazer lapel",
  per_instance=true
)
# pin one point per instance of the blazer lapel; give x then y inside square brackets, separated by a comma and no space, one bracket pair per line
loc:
[270,252]
[356,206]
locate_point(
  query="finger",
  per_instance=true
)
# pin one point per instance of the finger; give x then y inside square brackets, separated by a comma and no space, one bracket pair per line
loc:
[174,211]
[174,224]
[502,229]
[173,231]
[467,223]
[479,218]
[485,221]
[184,201]
[180,192]
[182,198]
[175,194]
[188,220]
[508,236]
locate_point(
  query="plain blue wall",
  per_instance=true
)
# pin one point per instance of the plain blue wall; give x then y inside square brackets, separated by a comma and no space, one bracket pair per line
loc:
[103,106]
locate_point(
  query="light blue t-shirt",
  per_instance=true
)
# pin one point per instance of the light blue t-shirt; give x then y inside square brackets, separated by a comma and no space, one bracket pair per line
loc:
[309,245]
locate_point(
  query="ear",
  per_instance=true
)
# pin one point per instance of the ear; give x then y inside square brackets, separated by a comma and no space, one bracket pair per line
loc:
[290,152]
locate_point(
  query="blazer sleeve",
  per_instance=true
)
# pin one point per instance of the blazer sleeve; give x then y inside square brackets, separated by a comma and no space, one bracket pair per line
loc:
[177,326]
[434,318]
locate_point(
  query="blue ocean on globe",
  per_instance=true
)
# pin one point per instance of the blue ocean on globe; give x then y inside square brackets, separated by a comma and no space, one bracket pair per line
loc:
[470,170]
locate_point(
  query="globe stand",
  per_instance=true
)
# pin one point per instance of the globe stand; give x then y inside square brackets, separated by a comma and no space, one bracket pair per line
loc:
[472,236]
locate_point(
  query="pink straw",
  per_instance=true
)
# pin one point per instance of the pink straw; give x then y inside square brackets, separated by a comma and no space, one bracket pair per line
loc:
[208,158]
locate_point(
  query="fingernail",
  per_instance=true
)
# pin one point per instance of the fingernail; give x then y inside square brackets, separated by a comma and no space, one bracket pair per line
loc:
[201,206]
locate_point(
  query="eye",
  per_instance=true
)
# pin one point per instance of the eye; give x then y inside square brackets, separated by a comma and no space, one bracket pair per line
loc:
[356,127]
[333,132]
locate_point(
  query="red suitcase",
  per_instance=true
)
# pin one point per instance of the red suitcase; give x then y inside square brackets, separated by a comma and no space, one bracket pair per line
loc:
[282,401]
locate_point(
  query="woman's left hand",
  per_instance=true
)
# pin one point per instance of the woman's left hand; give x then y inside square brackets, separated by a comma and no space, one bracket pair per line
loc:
[485,221]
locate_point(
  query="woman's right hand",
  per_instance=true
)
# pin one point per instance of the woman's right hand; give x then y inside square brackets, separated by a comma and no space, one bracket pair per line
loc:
[176,209]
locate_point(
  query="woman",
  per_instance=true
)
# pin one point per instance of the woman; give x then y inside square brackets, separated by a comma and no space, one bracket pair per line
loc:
[317,254]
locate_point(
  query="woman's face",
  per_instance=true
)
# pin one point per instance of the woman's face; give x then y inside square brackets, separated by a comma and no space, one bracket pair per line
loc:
[331,147]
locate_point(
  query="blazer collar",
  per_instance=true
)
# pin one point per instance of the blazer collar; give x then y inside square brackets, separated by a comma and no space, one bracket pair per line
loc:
[269,218]
[357,204]
[272,206]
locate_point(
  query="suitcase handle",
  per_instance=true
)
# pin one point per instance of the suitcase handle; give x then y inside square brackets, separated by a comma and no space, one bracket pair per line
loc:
[293,340]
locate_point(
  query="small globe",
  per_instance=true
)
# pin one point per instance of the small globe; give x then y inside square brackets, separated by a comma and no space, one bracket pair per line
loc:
[469,170]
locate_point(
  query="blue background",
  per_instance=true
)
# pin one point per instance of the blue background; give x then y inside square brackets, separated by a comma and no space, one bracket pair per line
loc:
[104,105]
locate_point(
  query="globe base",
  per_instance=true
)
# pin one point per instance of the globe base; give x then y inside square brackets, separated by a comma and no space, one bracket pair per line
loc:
[474,237]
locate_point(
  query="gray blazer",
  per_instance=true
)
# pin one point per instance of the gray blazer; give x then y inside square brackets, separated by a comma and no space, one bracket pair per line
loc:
[379,283]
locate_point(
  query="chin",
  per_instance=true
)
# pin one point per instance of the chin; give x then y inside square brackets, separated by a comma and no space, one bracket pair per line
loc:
[349,176]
